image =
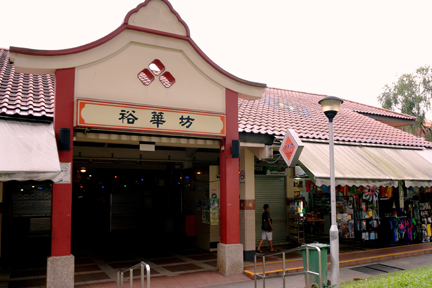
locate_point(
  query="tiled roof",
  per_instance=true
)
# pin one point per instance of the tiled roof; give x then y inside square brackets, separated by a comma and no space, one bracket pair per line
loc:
[24,94]
[33,95]
[367,109]
[280,109]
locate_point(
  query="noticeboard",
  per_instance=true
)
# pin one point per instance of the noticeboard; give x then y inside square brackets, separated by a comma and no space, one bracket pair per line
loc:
[291,148]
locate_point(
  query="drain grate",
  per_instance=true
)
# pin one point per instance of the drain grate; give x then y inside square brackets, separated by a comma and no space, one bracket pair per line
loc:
[376,269]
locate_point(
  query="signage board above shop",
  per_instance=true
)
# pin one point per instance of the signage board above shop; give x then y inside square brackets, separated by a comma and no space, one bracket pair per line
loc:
[153,119]
[271,170]
[291,148]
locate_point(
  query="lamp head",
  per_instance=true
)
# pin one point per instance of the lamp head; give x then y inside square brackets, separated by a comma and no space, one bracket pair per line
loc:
[330,106]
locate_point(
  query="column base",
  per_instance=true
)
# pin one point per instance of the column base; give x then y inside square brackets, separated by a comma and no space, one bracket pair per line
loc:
[230,259]
[60,271]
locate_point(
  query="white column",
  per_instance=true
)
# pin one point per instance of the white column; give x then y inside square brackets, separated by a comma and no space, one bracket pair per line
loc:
[247,203]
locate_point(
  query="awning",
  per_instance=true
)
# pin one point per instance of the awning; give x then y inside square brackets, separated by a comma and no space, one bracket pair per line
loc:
[365,165]
[402,164]
[28,151]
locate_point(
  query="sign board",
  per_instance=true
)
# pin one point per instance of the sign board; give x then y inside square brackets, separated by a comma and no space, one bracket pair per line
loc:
[270,170]
[291,148]
[277,170]
[65,172]
[155,119]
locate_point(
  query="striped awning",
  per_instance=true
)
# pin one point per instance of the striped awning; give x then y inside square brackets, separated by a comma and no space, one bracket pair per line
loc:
[367,165]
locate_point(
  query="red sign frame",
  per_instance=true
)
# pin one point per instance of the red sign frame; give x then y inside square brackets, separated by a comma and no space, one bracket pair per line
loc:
[291,148]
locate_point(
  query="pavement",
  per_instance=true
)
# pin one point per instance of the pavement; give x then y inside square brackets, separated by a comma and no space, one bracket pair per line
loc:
[197,268]
[346,273]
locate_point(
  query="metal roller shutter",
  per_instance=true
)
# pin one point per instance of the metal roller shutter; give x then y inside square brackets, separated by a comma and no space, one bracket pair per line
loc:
[31,207]
[271,190]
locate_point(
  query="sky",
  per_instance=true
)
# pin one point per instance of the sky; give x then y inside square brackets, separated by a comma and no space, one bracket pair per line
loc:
[348,49]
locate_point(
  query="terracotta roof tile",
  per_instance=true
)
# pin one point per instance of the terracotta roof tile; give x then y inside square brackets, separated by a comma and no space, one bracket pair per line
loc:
[280,109]
[367,109]
[24,94]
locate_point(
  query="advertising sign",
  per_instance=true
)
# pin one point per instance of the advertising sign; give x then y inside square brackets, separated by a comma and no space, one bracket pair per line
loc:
[134,117]
[291,148]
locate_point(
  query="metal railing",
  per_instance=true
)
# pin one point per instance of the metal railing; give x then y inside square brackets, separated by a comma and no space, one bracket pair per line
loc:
[284,274]
[120,274]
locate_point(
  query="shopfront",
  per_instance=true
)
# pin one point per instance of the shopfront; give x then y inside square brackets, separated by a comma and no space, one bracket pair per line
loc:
[149,123]
[270,188]
[374,206]
[147,131]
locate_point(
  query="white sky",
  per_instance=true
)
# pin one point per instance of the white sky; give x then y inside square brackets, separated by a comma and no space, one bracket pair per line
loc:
[349,49]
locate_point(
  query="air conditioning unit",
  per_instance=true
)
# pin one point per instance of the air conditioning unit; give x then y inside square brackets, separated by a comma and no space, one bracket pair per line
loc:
[266,152]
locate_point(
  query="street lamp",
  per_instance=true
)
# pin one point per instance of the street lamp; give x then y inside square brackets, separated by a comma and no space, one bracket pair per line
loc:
[330,106]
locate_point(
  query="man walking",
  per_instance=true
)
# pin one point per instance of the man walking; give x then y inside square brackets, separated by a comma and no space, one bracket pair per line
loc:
[267,229]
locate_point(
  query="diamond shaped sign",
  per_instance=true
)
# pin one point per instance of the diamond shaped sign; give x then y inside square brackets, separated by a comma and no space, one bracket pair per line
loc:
[291,148]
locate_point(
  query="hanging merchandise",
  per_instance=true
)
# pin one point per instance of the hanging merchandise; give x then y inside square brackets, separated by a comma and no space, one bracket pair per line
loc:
[425,214]
[310,186]
[345,221]
[409,230]
[358,190]
[365,235]
[386,192]
[325,189]
[363,225]
[370,193]
[344,190]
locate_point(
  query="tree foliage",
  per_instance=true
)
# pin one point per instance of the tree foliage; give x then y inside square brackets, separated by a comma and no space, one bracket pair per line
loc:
[411,94]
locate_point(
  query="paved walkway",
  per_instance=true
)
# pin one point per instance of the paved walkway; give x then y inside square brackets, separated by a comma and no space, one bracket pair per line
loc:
[346,273]
[196,268]
[294,261]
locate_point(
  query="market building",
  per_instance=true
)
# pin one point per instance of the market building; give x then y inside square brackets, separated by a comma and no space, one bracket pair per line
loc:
[140,134]
[383,175]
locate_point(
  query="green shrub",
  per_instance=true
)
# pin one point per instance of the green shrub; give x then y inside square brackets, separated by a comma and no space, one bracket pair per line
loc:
[419,277]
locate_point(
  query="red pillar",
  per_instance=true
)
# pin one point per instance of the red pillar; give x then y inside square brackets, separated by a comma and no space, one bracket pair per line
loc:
[62,193]
[229,179]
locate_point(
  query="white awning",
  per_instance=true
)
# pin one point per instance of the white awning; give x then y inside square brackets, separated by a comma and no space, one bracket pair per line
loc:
[28,151]
[402,164]
[364,165]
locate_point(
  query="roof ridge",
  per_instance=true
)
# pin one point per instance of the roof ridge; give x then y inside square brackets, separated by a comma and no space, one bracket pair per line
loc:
[297,91]
[379,108]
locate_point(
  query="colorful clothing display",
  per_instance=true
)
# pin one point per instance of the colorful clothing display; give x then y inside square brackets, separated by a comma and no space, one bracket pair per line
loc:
[380,211]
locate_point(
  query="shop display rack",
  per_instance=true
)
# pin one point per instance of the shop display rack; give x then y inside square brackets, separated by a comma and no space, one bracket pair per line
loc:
[425,216]
[296,231]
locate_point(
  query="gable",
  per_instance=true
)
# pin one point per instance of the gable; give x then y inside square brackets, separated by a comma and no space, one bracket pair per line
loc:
[118,67]
[159,16]
[117,76]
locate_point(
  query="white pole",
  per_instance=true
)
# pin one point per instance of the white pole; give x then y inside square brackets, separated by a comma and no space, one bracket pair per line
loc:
[334,233]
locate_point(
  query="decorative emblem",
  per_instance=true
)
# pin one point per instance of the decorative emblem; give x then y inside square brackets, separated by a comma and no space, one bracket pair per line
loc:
[156,69]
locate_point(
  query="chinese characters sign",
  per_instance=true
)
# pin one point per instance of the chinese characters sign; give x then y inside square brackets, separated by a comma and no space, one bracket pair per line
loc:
[291,148]
[134,117]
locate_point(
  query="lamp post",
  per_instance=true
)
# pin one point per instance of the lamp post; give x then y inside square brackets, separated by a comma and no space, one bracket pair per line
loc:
[330,106]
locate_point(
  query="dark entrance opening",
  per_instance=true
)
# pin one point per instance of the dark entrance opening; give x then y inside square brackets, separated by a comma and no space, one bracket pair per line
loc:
[127,210]
[26,223]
